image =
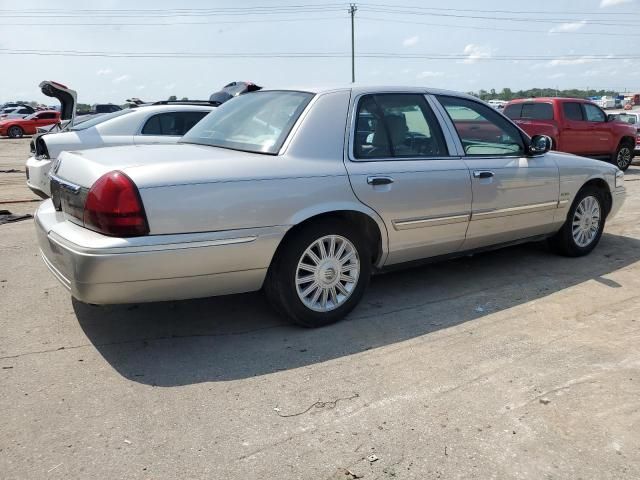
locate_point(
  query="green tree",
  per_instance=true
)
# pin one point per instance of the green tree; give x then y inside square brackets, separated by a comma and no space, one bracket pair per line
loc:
[173,98]
[184,99]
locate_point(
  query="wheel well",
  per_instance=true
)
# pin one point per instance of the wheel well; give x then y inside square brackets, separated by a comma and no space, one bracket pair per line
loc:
[630,140]
[601,185]
[362,221]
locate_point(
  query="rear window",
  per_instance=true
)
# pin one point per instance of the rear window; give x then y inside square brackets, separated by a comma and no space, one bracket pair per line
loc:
[98,119]
[572,111]
[531,110]
[254,122]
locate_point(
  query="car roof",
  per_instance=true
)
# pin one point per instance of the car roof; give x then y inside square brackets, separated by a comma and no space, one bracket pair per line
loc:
[171,108]
[363,89]
[550,99]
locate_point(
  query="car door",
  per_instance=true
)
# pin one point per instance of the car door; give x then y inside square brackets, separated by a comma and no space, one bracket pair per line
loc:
[167,127]
[403,165]
[514,196]
[600,137]
[574,136]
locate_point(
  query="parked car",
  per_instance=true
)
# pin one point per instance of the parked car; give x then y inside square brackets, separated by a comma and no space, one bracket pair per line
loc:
[18,127]
[274,189]
[575,126]
[633,119]
[139,126]
[21,111]
[166,122]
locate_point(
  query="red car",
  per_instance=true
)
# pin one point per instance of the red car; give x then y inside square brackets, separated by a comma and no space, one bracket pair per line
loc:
[17,127]
[576,126]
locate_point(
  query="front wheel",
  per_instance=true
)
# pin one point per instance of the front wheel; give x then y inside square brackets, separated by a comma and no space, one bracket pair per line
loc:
[623,156]
[583,227]
[15,132]
[320,273]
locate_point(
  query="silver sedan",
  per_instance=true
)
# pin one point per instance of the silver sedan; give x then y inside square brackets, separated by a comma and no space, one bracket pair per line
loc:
[306,193]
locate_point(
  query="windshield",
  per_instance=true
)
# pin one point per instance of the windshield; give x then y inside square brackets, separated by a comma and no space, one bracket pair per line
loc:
[82,125]
[255,122]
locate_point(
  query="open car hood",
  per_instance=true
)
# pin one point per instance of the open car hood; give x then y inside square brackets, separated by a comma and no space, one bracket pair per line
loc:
[231,90]
[68,98]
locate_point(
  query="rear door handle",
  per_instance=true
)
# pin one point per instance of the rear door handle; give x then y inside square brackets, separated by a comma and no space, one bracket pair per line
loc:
[379,180]
[483,174]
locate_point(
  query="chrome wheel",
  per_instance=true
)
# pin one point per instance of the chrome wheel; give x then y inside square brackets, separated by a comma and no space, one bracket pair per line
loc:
[586,221]
[624,158]
[327,273]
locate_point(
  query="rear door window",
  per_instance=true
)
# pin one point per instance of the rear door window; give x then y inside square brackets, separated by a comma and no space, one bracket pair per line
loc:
[572,111]
[172,123]
[397,126]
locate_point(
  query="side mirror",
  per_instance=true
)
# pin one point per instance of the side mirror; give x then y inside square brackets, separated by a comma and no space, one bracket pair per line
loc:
[612,117]
[539,145]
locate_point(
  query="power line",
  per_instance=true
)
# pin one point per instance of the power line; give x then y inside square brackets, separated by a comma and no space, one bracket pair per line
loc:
[435,56]
[395,11]
[518,12]
[169,24]
[478,27]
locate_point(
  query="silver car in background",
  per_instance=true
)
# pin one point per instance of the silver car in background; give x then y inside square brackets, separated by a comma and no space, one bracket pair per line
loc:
[306,193]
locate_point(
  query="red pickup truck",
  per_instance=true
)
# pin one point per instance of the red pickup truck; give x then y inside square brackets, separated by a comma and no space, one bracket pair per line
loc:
[575,126]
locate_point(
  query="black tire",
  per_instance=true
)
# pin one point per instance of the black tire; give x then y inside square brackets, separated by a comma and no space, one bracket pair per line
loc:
[280,284]
[563,242]
[15,132]
[623,155]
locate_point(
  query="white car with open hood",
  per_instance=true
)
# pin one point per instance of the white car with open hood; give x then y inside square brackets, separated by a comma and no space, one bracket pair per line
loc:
[307,193]
[151,124]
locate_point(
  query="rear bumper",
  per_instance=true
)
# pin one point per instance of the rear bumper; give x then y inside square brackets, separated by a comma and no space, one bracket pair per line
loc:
[38,176]
[105,270]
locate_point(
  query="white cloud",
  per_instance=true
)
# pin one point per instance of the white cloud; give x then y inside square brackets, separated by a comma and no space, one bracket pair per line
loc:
[121,78]
[569,27]
[556,75]
[475,53]
[140,87]
[411,41]
[170,86]
[104,71]
[429,74]
[611,3]
[591,73]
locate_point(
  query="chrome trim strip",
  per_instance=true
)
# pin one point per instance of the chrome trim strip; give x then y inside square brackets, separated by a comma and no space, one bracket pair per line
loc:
[505,212]
[72,187]
[148,248]
[562,203]
[429,222]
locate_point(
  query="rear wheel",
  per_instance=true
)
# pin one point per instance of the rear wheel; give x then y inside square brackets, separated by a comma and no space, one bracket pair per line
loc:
[15,132]
[623,156]
[583,227]
[320,273]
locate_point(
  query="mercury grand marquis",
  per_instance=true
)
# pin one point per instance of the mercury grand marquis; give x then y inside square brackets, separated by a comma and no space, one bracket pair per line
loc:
[306,193]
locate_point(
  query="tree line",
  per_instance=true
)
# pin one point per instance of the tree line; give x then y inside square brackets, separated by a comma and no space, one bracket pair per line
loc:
[508,94]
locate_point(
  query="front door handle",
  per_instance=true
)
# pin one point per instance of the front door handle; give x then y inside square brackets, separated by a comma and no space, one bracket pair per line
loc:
[379,180]
[483,174]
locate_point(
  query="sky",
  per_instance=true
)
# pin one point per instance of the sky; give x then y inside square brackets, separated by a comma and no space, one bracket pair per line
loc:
[203,45]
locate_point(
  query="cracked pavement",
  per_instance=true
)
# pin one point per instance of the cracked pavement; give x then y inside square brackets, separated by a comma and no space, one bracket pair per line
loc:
[514,364]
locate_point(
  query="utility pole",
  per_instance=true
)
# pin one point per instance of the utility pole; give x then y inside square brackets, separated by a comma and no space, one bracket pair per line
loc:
[352,10]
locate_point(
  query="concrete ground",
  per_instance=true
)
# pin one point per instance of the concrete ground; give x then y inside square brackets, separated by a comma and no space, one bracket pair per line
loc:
[511,364]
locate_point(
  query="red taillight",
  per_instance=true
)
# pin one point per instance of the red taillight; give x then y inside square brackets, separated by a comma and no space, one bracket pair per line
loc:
[113,207]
